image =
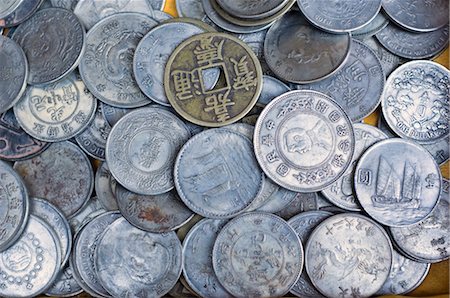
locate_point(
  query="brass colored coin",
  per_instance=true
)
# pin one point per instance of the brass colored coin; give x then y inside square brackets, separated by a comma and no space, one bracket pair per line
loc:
[235,93]
[198,23]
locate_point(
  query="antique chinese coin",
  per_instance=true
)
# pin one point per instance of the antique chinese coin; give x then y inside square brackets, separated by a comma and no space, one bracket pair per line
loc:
[304,141]
[257,254]
[235,93]
[348,255]
[271,89]
[103,189]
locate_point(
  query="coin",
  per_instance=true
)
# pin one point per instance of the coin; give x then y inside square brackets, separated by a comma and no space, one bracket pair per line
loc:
[53,41]
[62,175]
[257,255]
[278,200]
[22,13]
[107,65]
[56,112]
[388,61]
[190,8]
[302,202]
[105,194]
[91,209]
[250,10]
[415,101]
[142,147]
[271,89]
[304,141]
[66,4]
[216,173]
[65,285]
[138,263]
[14,206]
[372,28]
[348,255]
[31,265]
[291,61]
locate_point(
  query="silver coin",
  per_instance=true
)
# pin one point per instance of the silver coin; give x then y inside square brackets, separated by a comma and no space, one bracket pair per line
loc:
[22,13]
[132,262]
[56,220]
[107,65]
[341,192]
[389,61]
[415,102]
[427,240]
[257,255]
[421,16]
[216,173]
[369,30]
[142,147]
[397,182]
[248,9]
[161,16]
[105,194]
[348,255]
[113,114]
[8,6]
[31,265]
[93,139]
[66,4]
[14,206]
[271,89]
[292,61]
[14,70]
[278,200]
[51,53]
[304,224]
[91,209]
[411,45]
[302,202]
[56,112]
[65,285]
[255,41]
[304,141]
[190,8]
[62,175]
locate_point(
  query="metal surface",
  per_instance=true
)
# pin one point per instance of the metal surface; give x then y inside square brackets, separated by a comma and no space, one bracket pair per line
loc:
[103,188]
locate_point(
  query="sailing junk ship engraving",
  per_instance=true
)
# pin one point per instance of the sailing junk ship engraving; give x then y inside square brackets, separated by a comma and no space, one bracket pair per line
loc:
[395,191]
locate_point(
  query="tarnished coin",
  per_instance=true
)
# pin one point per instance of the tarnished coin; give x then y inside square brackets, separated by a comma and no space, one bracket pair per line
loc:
[348,255]
[421,16]
[31,265]
[302,202]
[56,112]
[15,143]
[113,114]
[304,141]
[257,255]
[416,101]
[142,147]
[216,173]
[428,240]
[14,73]
[105,194]
[235,93]
[22,13]
[62,175]
[14,206]
[372,28]
[91,209]
[340,192]
[65,285]
[388,61]
[292,61]
[107,65]
[53,41]
[278,200]
[133,262]
[56,220]
[271,89]
[397,182]
[190,8]
[248,9]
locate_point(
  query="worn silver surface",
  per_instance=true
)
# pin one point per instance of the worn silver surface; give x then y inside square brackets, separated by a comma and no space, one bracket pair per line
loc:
[249,9]
[65,285]
[439,150]
[142,147]
[216,173]
[348,255]
[268,187]
[416,101]
[397,182]
[257,255]
[255,41]
[107,65]
[304,141]
[103,189]
[161,16]
[190,9]
[34,260]
[56,112]
[91,209]
[8,6]
[62,174]
[341,192]
[157,4]
[132,262]
[278,200]
[53,41]
[66,4]
[369,30]
[302,202]
[242,128]
[389,61]
[113,114]
[23,12]
[271,89]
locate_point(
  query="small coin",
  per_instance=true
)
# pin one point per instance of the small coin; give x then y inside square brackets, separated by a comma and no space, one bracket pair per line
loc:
[190,8]
[138,263]
[91,209]
[415,101]
[278,200]
[302,202]
[103,189]
[62,175]
[304,141]
[66,4]
[271,89]
[372,28]
[248,9]
[22,13]
[389,61]
[65,285]
[113,114]
[257,255]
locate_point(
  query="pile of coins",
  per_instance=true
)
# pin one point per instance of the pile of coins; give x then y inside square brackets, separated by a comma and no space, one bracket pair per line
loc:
[230,154]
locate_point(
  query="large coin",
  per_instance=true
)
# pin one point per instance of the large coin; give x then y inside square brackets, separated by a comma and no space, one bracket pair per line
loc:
[304,141]
[348,255]
[62,174]
[397,182]
[103,188]
[216,173]
[289,58]
[271,89]
[22,13]
[248,9]
[107,65]
[257,255]
[53,41]
[142,147]
[239,85]
[416,101]
[132,262]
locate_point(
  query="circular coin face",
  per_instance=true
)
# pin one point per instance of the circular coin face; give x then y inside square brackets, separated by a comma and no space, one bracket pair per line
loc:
[304,141]
[235,93]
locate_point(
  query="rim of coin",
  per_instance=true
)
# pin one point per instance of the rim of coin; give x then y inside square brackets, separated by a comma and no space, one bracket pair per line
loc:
[192,21]
[241,9]
[65,275]
[6,10]
[22,13]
